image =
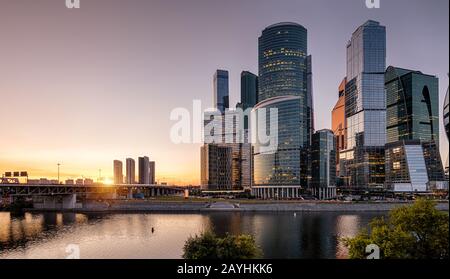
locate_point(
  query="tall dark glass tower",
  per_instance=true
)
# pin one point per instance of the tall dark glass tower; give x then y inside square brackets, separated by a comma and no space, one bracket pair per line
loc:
[284,84]
[413,160]
[249,90]
[412,105]
[323,164]
[221,90]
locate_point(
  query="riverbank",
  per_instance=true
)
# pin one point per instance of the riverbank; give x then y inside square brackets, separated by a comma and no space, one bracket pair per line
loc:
[235,206]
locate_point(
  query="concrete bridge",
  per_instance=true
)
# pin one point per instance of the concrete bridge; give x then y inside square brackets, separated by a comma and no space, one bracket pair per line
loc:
[65,196]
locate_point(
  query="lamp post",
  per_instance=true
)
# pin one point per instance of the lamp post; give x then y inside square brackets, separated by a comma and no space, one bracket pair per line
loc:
[58,173]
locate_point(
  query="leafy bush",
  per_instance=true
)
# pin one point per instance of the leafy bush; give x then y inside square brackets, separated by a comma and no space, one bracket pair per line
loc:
[209,246]
[411,232]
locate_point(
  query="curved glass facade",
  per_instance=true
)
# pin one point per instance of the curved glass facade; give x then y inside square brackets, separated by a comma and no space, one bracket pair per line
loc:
[283,166]
[283,61]
[285,84]
[412,105]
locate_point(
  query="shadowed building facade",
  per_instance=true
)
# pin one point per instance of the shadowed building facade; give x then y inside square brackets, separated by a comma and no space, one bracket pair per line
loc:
[413,161]
[216,168]
[285,84]
[323,165]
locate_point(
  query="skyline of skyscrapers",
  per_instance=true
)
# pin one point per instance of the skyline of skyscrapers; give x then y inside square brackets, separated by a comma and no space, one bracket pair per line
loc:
[146,171]
[226,135]
[362,119]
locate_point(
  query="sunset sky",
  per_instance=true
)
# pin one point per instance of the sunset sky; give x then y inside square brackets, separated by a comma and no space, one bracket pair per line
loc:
[87,86]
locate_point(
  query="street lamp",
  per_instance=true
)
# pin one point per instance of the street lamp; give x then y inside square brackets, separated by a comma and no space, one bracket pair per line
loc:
[58,173]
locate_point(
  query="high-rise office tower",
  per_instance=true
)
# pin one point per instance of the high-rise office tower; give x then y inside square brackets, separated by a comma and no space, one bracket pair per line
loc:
[144,170]
[152,173]
[249,90]
[365,107]
[229,133]
[339,126]
[284,78]
[413,161]
[118,172]
[323,165]
[131,172]
[216,168]
[221,90]
[249,94]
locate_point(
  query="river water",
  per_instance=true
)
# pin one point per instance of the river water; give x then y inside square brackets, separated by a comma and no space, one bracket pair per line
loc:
[162,235]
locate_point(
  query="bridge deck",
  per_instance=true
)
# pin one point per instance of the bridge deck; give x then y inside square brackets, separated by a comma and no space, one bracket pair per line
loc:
[31,190]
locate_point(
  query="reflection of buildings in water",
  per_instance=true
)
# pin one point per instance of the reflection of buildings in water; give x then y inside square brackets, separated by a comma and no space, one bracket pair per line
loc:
[306,236]
[317,238]
[346,226]
[224,222]
[17,231]
[5,227]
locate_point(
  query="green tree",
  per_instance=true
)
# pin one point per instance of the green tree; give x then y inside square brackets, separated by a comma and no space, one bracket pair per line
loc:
[419,231]
[209,246]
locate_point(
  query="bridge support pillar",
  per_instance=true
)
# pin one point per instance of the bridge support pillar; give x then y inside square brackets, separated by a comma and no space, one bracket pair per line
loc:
[69,201]
[130,194]
[49,202]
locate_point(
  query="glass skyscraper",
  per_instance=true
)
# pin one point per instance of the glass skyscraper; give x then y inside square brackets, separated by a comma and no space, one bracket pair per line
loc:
[413,161]
[365,107]
[323,164]
[249,90]
[412,105]
[285,81]
[221,90]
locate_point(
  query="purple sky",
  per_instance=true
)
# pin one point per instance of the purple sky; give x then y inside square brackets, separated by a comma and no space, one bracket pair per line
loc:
[84,87]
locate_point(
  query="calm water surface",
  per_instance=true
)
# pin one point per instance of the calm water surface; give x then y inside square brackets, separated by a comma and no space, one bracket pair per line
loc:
[280,235]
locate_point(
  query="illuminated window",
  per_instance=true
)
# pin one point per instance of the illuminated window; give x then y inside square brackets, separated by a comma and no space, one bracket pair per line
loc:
[396,165]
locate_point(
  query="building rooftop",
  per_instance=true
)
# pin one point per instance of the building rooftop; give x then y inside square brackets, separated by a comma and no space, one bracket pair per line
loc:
[284,24]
